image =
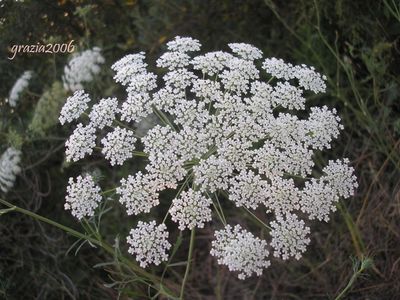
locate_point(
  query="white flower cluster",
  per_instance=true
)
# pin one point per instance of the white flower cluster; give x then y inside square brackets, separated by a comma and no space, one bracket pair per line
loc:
[80,143]
[340,177]
[246,51]
[149,242]
[139,193]
[213,173]
[103,113]
[83,196]
[74,107]
[9,168]
[289,236]
[19,86]
[248,189]
[225,131]
[308,78]
[191,209]
[183,44]
[118,145]
[240,250]
[82,68]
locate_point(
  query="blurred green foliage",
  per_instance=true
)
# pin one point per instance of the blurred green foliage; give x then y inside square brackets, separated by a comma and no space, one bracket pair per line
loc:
[47,109]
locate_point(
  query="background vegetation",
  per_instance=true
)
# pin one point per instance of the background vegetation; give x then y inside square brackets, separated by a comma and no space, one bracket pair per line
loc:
[355,43]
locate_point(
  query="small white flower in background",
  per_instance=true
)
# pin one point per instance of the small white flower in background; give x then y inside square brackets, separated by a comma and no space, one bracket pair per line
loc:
[83,196]
[221,129]
[82,68]
[118,145]
[289,236]
[80,143]
[74,107]
[9,168]
[103,113]
[19,86]
[191,209]
[149,243]
[240,251]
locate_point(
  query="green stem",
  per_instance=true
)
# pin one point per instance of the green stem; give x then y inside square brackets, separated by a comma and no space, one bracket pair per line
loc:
[364,264]
[353,229]
[223,221]
[140,153]
[163,118]
[108,248]
[191,246]
[218,213]
[220,208]
[135,153]
[108,191]
[257,218]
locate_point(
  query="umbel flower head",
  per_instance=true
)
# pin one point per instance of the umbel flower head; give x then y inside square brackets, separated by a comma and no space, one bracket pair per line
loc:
[227,129]
[9,168]
[148,241]
[83,196]
[240,250]
[19,86]
[289,236]
[74,107]
[191,209]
